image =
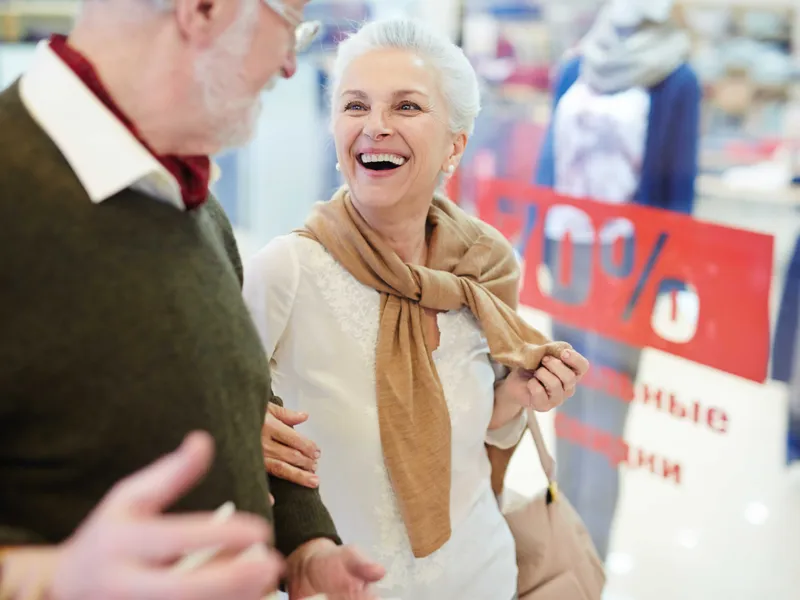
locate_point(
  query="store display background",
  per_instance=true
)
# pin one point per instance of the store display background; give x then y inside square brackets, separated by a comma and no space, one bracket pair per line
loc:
[732,529]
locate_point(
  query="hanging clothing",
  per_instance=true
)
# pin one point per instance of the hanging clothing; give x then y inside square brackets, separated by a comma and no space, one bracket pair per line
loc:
[625,48]
[599,151]
[669,164]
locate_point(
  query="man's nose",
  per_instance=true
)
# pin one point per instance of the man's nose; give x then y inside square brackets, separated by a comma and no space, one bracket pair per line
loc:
[289,66]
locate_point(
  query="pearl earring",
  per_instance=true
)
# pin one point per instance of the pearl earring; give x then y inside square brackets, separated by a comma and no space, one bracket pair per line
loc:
[450,169]
[338,168]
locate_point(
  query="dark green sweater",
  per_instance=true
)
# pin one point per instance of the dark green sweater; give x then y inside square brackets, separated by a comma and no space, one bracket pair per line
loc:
[122,328]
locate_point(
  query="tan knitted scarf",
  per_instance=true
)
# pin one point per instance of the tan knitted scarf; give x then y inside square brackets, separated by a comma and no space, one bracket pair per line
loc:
[469,264]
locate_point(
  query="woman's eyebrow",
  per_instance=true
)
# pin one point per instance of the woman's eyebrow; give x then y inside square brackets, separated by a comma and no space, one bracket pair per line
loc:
[409,92]
[356,93]
[363,96]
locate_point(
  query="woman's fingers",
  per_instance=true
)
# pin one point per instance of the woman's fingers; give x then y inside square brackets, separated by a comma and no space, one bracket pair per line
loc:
[278,451]
[553,390]
[278,431]
[287,454]
[575,361]
[282,470]
[538,398]
[567,376]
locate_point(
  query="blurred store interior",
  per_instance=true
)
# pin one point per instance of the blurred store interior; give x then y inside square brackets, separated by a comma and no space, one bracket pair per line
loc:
[708,504]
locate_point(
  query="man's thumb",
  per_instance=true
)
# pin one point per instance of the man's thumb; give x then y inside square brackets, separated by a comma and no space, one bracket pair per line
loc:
[161,484]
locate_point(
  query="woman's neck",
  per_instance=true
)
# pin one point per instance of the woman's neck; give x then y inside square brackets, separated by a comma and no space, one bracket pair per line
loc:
[405,232]
[412,247]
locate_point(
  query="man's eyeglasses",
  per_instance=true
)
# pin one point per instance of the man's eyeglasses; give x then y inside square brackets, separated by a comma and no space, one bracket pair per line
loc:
[304,31]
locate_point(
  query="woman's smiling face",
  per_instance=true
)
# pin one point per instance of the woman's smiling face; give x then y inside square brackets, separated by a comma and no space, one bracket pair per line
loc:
[391,128]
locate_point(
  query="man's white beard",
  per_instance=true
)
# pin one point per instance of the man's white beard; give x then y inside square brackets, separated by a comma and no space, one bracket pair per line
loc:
[233,111]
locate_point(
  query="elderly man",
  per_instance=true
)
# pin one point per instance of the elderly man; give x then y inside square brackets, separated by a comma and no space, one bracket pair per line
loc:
[123,327]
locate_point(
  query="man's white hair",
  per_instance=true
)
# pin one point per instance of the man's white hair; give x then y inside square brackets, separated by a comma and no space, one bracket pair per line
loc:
[128,10]
[459,83]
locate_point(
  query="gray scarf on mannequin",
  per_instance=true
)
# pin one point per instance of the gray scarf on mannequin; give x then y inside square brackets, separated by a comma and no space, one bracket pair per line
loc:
[618,55]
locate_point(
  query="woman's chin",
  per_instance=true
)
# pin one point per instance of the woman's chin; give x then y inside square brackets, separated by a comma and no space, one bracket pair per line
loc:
[375,197]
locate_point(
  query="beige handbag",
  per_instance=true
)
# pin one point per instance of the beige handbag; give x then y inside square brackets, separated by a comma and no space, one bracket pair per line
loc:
[555,554]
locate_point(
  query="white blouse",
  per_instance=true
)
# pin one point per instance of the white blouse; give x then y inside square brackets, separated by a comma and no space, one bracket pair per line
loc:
[319,327]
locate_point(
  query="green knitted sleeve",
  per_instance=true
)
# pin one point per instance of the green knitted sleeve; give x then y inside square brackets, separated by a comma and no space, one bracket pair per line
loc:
[15,536]
[299,514]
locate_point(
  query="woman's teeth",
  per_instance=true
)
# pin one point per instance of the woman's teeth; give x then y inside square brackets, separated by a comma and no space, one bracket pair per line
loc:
[381,158]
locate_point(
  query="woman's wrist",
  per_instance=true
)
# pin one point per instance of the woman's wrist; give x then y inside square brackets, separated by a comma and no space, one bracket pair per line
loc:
[503,416]
[505,408]
[26,572]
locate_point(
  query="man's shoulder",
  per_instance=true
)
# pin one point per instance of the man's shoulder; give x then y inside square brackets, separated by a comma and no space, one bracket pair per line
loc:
[217,214]
[10,105]
[10,97]
[24,146]
[224,231]
[13,114]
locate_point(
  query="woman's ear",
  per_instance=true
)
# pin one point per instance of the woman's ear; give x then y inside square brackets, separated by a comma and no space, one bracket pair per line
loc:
[459,146]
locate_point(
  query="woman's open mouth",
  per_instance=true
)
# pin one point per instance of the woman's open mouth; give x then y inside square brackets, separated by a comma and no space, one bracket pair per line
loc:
[381,162]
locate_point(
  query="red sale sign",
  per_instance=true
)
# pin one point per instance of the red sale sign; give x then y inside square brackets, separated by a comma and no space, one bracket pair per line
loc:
[726,271]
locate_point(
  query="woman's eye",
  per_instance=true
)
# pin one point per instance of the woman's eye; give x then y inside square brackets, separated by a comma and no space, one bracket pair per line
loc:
[354,106]
[409,106]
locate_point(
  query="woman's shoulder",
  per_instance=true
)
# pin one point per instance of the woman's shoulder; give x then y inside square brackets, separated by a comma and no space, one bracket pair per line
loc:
[276,259]
[277,267]
[283,255]
[501,246]
[479,230]
[273,282]
[288,263]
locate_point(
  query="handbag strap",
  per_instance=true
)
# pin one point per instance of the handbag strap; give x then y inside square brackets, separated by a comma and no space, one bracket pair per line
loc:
[548,464]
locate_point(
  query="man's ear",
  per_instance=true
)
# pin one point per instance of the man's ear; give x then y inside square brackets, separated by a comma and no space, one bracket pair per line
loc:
[201,22]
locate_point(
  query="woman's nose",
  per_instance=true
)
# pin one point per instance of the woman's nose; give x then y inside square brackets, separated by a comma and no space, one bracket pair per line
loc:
[376,126]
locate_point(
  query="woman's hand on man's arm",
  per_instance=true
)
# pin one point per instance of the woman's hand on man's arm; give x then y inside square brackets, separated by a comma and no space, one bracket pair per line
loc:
[287,454]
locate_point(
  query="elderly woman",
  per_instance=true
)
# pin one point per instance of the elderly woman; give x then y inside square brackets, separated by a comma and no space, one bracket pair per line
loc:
[390,323]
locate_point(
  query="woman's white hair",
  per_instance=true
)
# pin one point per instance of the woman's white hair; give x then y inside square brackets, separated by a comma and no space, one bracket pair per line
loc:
[459,83]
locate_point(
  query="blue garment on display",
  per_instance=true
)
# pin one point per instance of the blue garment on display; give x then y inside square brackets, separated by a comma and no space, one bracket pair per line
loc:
[670,160]
[784,349]
[784,343]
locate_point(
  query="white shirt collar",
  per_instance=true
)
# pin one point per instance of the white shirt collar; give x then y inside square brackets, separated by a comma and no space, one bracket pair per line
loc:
[102,152]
